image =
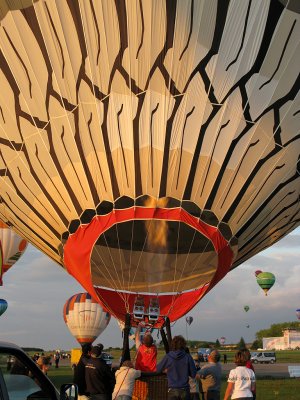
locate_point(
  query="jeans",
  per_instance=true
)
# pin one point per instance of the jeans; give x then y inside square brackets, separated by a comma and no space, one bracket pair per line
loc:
[123,397]
[100,397]
[211,395]
[179,394]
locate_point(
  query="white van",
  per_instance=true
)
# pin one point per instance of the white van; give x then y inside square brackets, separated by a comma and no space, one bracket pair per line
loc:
[263,357]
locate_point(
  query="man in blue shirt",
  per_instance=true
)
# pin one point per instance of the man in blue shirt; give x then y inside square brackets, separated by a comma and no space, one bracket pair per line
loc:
[179,366]
[210,375]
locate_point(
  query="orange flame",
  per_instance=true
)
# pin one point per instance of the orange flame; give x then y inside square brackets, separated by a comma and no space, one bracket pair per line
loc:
[158,230]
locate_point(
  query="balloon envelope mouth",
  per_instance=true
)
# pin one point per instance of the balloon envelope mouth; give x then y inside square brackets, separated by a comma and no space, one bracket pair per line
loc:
[157,255]
[148,249]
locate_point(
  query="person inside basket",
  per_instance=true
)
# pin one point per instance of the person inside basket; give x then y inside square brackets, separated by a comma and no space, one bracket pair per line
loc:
[125,379]
[179,366]
[146,352]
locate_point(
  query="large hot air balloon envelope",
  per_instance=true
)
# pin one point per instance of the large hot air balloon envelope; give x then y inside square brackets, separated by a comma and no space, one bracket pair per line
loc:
[150,146]
[85,318]
[189,320]
[298,313]
[265,280]
[3,306]
[246,308]
[12,247]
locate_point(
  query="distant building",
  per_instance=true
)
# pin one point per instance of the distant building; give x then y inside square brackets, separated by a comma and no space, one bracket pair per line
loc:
[289,340]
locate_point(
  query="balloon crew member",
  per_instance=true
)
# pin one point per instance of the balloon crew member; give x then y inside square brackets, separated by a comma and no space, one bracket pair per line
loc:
[56,359]
[146,357]
[125,379]
[241,380]
[79,372]
[210,376]
[249,365]
[179,366]
[100,380]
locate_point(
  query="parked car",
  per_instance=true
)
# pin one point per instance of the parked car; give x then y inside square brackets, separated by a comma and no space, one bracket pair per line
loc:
[264,357]
[107,358]
[21,378]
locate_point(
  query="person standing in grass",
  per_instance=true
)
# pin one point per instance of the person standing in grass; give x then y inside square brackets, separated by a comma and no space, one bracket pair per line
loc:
[179,366]
[241,380]
[210,377]
[79,372]
[125,379]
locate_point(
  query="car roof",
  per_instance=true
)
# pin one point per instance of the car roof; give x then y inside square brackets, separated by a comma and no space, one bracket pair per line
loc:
[8,345]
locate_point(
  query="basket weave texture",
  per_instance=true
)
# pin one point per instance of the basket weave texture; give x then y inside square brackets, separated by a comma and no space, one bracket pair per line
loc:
[151,388]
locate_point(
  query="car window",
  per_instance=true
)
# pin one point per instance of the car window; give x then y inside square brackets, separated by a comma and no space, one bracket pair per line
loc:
[19,381]
[259,355]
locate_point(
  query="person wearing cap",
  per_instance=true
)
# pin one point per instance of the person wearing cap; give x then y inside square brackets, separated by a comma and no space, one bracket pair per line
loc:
[79,372]
[146,352]
[100,380]
[210,376]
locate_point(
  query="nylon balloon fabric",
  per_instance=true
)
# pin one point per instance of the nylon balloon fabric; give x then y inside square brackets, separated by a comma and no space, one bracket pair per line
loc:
[150,146]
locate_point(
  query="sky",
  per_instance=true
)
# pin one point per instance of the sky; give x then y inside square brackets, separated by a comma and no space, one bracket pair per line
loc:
[36,290]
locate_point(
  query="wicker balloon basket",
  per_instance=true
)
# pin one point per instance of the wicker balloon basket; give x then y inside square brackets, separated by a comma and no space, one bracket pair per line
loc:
[151,388]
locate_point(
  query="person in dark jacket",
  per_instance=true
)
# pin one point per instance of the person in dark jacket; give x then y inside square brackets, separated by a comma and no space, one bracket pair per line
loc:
[100,380]
[179,366]
[79,372]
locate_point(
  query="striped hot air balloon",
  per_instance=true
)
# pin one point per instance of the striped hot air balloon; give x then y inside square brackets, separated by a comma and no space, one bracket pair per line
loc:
[12,246]
[85,318]
[265,280]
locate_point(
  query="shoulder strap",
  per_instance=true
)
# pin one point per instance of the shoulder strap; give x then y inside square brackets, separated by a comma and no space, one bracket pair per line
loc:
[121,384]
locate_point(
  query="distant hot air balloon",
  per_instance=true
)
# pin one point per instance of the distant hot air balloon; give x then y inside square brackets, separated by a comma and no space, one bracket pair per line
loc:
[150,160]
[298,313]
[246,308]
[13,246]
[3,306]
[247,326]
[222,340]
[85,318]
[265,280]
[189,320]
[258,272]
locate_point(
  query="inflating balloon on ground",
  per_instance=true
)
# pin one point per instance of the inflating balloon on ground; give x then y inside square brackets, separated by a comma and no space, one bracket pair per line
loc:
[85,318]
[149,161]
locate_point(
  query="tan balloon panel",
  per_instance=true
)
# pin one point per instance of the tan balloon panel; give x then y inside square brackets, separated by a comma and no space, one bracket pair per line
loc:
[187,107]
